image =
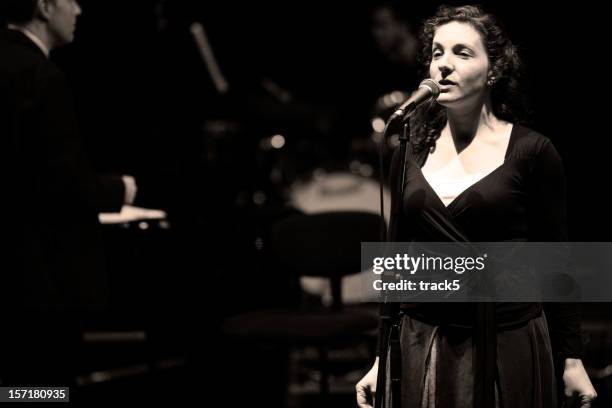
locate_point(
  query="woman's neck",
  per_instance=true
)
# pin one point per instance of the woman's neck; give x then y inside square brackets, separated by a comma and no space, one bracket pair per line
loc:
[464,125]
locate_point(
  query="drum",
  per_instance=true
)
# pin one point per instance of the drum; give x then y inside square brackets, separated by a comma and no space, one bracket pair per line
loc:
[338,191]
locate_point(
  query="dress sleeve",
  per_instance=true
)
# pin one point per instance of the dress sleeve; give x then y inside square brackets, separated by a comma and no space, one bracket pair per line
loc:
[547,223]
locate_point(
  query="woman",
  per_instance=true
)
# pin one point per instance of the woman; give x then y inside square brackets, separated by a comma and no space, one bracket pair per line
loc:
[474,174]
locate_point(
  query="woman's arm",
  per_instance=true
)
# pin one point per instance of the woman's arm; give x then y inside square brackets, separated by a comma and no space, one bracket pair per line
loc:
[577,382]
[366,387]
[547,223]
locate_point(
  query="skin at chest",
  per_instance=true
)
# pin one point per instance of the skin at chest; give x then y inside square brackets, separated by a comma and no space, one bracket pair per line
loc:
[482,155]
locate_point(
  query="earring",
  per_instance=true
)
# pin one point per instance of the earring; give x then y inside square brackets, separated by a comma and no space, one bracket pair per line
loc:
[491,81]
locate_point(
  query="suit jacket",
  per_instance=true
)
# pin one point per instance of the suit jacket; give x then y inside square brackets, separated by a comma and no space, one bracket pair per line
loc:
[53,258]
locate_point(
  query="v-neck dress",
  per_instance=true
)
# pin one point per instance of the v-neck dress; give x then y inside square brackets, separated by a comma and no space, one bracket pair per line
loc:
[501,349]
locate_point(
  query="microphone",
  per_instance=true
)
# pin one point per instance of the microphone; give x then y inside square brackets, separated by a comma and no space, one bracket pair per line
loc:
[428,90]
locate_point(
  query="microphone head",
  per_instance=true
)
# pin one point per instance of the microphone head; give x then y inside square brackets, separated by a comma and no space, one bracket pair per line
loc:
[428,91]
[433,87]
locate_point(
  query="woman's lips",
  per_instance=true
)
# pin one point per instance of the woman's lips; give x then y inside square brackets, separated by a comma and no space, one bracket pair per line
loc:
[445,87]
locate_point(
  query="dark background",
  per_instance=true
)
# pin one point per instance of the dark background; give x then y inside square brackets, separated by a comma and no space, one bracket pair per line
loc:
[143,92]
[147,107]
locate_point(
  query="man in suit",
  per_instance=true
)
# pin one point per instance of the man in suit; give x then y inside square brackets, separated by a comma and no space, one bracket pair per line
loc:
[52,253]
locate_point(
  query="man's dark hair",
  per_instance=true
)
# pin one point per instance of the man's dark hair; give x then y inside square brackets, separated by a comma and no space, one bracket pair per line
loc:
[17,11]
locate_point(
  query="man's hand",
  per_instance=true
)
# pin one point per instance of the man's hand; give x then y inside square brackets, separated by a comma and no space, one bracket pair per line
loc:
[130,189]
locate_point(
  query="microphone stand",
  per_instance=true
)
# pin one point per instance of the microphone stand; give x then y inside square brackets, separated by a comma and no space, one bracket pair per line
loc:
[389,345]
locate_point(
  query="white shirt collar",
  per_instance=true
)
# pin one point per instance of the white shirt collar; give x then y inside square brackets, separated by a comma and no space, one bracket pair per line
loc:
[32,37]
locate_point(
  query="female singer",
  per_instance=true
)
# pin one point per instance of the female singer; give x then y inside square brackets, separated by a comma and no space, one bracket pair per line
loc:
[475,174]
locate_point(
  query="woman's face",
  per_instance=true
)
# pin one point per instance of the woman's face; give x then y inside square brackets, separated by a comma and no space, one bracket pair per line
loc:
[460,65]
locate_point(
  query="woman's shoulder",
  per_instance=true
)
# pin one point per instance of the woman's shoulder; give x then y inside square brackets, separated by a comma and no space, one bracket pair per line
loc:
[529,142]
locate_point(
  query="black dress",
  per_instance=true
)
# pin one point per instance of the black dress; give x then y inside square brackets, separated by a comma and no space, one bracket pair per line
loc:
[457,355]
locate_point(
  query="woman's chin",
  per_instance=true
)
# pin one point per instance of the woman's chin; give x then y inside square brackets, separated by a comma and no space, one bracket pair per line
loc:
[446,100]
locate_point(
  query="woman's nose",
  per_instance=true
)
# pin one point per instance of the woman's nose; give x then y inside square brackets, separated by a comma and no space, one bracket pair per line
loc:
[445,71]
[445,66]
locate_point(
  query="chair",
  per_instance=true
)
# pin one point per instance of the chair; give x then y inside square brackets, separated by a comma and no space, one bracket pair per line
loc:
[322,245]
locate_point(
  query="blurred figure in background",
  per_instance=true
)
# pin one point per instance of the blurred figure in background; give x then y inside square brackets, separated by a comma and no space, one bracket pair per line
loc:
[52,196]
[393,30]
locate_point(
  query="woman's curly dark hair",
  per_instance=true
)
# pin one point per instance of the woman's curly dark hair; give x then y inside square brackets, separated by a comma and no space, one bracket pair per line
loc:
[508,102]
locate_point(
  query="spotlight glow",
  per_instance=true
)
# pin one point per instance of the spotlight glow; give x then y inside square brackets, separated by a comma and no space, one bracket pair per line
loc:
[277,141]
